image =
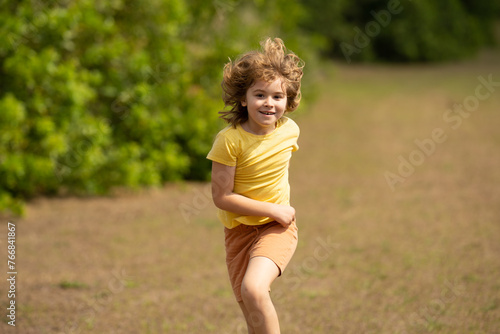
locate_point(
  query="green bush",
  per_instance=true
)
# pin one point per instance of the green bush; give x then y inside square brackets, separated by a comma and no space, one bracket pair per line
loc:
[402,31]
[123,93]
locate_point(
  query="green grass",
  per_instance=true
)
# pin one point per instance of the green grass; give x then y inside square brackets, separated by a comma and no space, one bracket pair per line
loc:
[72,285]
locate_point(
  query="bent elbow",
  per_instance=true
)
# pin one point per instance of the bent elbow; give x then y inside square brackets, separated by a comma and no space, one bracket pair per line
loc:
[219,202]
[216,202]
[219,197]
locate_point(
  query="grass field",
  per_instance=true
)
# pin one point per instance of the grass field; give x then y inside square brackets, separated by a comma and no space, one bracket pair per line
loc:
[394,237]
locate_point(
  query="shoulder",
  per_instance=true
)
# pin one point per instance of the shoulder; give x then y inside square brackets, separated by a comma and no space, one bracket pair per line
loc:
[289,124]
[231,138]
[229,133]
[226,147]
[227,130]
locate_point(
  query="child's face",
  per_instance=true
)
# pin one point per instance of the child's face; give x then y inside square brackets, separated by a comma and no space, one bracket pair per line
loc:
[266,103]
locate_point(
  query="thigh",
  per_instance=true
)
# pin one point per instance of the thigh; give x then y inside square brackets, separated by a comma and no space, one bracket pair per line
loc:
[261,272]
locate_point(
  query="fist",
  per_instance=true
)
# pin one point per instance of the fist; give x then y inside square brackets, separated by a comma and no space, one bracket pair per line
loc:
[283,214]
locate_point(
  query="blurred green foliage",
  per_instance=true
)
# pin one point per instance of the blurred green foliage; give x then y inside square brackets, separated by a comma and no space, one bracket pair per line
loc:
[402,30]
[120,93]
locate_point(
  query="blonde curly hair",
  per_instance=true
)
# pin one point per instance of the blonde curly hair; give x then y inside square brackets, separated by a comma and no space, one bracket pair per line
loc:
[273,62]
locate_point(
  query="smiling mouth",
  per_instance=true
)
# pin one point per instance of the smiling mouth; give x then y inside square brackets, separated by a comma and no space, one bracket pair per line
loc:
[266,113]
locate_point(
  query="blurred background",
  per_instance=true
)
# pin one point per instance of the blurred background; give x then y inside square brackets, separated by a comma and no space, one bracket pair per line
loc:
[107,112]
[98,95]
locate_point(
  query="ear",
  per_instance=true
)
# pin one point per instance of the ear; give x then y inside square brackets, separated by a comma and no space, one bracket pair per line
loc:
[244,103]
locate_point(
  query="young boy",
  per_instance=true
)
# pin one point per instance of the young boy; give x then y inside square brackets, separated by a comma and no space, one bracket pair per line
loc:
[250,160]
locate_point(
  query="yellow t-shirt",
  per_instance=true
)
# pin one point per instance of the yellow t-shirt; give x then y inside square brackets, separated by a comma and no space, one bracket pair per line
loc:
[261,166]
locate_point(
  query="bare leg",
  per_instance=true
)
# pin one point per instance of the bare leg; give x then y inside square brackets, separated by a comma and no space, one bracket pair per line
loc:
[247,318]
[261,315]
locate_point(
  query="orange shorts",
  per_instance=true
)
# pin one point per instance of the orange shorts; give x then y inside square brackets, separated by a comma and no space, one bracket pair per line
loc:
[244,242]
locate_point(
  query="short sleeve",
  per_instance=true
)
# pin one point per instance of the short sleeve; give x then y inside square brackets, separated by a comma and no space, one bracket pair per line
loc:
[223,150]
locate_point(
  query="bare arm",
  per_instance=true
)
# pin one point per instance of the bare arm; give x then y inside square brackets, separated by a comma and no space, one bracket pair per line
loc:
[225,199]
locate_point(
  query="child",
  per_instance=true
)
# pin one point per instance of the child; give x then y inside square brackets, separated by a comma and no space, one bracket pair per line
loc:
[250,160]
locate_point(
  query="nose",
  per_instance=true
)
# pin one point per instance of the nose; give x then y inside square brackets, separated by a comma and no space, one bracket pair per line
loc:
[268,102]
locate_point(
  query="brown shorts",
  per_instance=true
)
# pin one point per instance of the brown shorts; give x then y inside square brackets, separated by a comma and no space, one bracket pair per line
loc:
[244,242]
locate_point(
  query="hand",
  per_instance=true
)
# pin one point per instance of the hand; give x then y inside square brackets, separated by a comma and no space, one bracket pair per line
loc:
[283,214]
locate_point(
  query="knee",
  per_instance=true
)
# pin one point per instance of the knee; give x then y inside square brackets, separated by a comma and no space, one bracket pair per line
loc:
[254,293]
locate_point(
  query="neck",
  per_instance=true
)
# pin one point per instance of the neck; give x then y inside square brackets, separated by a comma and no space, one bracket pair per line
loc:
[258,130]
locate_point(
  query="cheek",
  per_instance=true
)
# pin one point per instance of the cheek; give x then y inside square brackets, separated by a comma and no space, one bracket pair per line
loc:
[283,105]
[254,105]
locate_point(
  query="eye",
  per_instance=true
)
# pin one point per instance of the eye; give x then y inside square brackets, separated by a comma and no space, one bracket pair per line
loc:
[259,95]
